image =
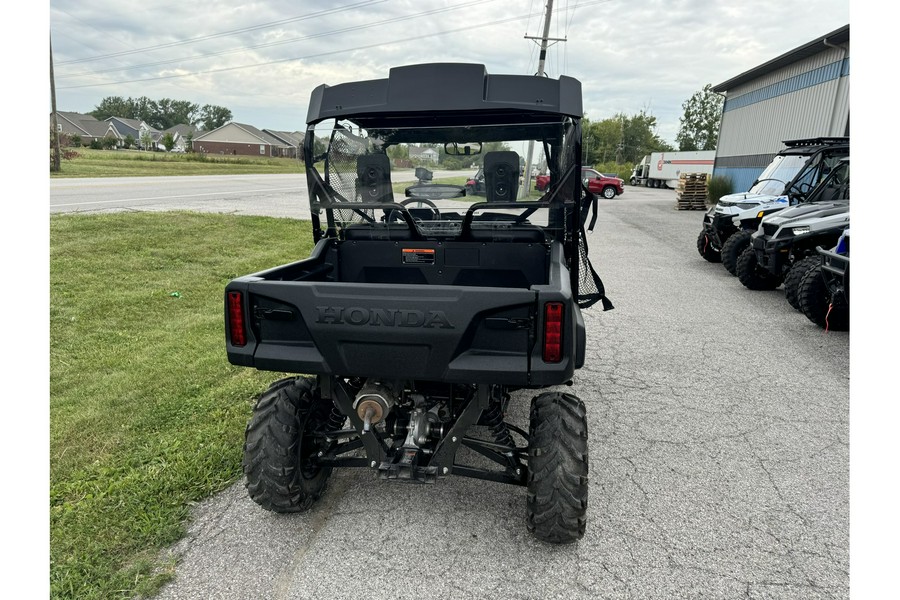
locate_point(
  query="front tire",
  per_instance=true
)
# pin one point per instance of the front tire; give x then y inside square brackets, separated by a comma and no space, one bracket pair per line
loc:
[609,192]
[732,248]
[557,468]
[752,275]
[795,275]
[819,305]
[707,249]
[279,446]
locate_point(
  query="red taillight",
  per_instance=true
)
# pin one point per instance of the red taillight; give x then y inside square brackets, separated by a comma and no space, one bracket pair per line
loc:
[553,320]
[236,319]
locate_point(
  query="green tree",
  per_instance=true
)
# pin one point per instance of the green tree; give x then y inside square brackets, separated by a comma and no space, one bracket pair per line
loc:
[129,141]
[113,106]
[699,129]
[212,116]
[161,114]
[146,141]
[621,138]
[168,140]
[189,142]
[109,142]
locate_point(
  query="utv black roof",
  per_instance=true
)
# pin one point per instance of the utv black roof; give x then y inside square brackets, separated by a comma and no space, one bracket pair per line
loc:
[813,145]
[452,93]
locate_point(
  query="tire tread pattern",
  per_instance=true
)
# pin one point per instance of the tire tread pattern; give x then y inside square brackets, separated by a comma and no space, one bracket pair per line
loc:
[751,275]
[795,275]
[557,468]
[272,447]
[814,299]
[732,248]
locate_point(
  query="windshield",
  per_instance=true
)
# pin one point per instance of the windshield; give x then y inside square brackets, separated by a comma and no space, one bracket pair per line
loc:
[418,178]
[776,176]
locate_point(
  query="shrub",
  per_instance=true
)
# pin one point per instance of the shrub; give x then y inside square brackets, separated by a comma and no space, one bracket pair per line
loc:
[96,145]
[718,186]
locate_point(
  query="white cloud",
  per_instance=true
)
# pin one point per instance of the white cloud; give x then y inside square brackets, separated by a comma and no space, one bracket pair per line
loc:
[630,57]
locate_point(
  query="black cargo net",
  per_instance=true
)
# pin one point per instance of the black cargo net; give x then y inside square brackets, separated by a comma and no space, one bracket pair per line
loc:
[340,173]
[590,287]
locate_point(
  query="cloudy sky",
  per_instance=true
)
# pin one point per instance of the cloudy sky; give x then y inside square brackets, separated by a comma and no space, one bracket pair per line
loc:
[261,59]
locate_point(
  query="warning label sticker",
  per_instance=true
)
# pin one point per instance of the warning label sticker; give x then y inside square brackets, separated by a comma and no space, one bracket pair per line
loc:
[418,256]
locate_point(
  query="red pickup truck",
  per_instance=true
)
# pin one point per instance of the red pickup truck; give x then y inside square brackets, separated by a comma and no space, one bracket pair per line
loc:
[598,183]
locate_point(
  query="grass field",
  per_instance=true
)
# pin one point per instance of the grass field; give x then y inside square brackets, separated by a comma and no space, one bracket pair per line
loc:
[134,163]
[146,414]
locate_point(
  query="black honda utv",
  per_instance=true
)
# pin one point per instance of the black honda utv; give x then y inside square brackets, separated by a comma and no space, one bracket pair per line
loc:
[416,317]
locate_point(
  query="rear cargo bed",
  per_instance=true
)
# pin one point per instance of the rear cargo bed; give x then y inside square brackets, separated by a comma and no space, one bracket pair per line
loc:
[453,311]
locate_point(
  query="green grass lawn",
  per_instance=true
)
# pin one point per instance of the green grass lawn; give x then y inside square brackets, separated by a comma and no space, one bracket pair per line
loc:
[146,414]
[134,163]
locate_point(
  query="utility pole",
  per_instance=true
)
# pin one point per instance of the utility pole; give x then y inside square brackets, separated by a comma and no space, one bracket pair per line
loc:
[540,73]
[55,167]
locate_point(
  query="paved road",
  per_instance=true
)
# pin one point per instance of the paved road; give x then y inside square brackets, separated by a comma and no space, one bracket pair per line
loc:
[267,195]
[718,423]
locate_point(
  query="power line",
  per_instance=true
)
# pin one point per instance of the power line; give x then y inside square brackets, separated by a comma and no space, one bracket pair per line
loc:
[379,44]
[281,42]
[320,13]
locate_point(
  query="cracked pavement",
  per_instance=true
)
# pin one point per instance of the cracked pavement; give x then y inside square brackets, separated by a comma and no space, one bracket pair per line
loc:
[719,462]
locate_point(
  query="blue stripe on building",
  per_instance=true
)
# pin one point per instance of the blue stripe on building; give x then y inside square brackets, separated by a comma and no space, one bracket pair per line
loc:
[818,76]
[741,177]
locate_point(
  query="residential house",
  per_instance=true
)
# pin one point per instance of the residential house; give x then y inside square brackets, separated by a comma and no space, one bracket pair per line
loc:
[292,139]
[240,139]
[136,129]
[84,126]
[417,153]
[180,133]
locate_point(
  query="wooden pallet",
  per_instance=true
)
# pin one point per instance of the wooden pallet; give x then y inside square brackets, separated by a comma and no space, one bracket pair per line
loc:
[691,192]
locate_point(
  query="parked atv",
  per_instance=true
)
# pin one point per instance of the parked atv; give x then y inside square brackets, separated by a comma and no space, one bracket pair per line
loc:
[787,181]
[417,321]
[780,249]
[824,291]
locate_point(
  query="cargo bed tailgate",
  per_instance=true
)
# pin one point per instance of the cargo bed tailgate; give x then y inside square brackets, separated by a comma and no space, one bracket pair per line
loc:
[449,333]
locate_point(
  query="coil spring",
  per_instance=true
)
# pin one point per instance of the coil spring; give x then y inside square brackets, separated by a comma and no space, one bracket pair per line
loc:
[336,419]
[493,419]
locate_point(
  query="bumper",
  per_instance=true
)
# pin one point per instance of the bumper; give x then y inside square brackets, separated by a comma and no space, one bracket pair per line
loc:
[772,255]
[719,227]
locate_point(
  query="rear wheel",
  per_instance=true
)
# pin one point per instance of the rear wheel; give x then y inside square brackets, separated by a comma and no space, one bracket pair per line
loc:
[819,305]
[752,275]
[557,468]
[280,446]
[793,277]
[707,249]
[732,248]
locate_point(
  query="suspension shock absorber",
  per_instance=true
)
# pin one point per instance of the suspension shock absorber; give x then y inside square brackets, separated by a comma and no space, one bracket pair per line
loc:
[336,419]
[493,419]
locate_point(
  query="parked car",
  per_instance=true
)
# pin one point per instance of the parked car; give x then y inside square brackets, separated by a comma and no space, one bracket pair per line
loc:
[475,185]
[597,183]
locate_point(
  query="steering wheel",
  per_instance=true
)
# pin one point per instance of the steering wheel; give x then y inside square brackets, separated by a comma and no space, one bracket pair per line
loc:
[419,201]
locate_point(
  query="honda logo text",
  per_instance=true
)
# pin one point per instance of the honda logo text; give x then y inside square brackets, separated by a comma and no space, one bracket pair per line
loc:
[378,317]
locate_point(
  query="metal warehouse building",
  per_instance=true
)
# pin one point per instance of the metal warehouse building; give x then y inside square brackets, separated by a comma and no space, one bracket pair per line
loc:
[804,93]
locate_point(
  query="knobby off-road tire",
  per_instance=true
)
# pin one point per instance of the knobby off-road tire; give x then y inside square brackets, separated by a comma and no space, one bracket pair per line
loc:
[706,249]
[278,447]
[557,468]
[735,244]
[815,300]
[752,275]
[795,275]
